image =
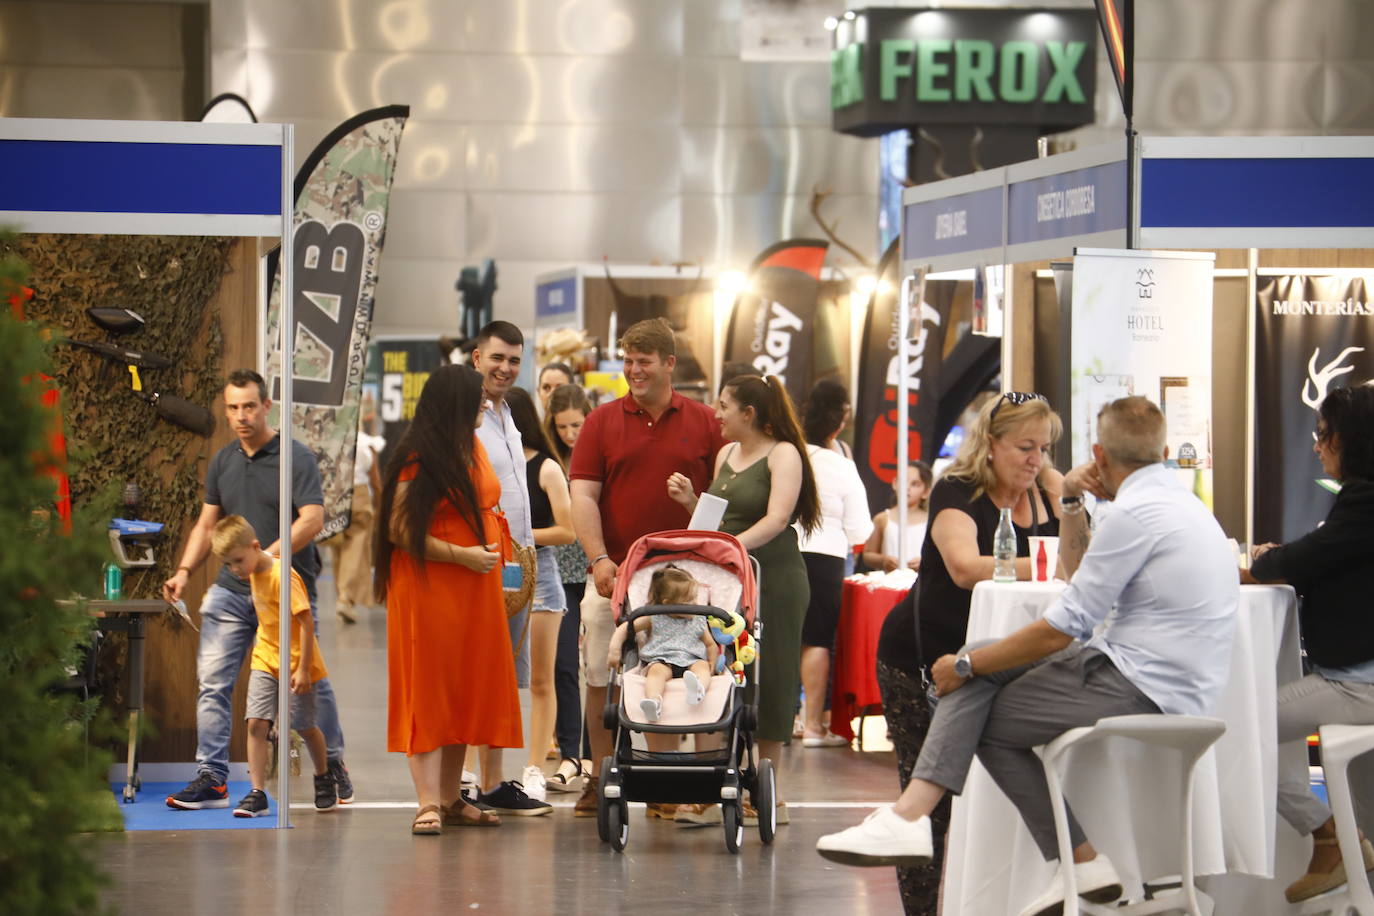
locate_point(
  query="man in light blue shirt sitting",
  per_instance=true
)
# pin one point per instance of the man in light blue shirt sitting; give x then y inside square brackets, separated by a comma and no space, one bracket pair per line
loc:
[1162,562]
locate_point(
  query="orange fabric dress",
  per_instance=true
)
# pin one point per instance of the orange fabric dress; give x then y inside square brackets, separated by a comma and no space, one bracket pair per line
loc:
[451,673]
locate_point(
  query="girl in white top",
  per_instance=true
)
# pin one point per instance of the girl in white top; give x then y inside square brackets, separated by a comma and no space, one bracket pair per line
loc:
[880,553]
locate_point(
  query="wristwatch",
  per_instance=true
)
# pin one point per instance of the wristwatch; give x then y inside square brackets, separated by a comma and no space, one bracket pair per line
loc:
[963,666]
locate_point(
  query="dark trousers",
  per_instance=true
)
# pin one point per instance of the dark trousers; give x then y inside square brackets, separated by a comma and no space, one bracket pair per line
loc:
[908,720]
[566,669]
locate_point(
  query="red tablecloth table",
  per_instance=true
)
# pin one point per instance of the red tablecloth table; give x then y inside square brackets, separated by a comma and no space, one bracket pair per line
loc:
[854,678]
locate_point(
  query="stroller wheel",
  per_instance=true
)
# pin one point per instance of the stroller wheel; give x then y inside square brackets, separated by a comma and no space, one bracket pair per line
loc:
[765,800]
[734,825]
[603,831]
[618,823]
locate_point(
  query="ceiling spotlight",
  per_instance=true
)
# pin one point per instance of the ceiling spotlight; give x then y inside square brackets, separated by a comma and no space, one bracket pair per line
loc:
[831,23]
[849,15]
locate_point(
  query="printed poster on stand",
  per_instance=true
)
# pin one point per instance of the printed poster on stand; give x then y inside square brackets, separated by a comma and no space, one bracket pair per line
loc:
[1313,334]
[1142,325]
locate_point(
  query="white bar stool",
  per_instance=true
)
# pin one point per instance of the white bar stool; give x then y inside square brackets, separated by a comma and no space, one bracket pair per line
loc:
[1191,736]
[1340,745]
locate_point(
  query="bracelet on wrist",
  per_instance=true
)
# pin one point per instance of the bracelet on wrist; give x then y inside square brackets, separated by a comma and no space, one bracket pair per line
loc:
[187,568]
[595,560]
[1071,505]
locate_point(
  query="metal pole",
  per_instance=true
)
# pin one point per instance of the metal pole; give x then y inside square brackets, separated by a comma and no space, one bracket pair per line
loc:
[285,260]
[1251,288]
[903,445]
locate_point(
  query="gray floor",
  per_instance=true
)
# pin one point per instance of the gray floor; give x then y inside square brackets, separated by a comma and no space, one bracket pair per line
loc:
[364,860]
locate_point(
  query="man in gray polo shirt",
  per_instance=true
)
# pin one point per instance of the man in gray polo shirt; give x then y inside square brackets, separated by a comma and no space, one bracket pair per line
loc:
[242,480]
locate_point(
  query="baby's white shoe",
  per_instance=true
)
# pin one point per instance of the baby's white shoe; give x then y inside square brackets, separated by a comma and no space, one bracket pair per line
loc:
[696,691]
[650,707]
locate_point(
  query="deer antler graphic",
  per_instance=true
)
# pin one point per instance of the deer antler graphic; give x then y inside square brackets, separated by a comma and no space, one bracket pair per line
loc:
[1321,379]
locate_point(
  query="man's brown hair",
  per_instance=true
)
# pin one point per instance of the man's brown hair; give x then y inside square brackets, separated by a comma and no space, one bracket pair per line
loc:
[653,335]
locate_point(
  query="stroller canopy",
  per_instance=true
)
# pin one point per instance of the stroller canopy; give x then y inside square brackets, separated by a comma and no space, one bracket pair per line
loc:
[714,547]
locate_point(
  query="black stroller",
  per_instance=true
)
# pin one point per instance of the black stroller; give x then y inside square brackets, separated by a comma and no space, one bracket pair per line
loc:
[721,563]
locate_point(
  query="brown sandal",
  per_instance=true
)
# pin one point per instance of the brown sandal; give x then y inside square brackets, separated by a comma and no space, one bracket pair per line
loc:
[463,814]
[424,824]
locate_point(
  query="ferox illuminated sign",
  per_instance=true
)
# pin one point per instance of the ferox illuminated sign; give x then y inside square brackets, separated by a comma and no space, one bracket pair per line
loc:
[896,68]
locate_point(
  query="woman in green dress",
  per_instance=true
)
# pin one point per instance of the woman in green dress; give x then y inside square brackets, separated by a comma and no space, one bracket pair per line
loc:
[766,479]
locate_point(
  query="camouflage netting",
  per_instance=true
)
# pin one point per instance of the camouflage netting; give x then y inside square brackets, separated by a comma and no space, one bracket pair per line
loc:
[113,436]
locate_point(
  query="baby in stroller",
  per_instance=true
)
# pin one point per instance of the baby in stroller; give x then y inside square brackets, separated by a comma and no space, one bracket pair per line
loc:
[676,645]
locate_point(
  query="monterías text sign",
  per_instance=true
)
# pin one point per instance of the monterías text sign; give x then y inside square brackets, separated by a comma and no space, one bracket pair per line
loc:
[896,68]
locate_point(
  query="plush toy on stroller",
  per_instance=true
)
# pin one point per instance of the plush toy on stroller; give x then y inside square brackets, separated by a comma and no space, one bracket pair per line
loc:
[674,686]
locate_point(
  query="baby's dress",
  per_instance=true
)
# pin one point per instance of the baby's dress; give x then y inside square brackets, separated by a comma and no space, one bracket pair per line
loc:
[675,641]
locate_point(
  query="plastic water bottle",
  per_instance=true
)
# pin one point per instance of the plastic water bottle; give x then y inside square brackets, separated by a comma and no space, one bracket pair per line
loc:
[1004,549]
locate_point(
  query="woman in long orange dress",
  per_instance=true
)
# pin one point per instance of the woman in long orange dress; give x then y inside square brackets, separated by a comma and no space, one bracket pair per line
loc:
[451,673]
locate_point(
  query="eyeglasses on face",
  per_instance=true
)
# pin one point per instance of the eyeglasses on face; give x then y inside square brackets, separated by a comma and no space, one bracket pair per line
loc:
[1016,399]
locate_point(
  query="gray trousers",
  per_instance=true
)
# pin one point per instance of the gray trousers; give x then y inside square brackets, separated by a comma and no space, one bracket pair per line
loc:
[1001,716]
[1304,705]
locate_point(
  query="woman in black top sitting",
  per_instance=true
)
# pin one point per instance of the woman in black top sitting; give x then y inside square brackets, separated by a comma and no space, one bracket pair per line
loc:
[1004,462]
[1330,567]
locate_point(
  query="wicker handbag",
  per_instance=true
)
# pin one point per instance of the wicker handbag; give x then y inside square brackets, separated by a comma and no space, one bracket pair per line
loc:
[517,598]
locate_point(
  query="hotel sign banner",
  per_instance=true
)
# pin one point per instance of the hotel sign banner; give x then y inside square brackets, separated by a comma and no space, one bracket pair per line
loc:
[894,68]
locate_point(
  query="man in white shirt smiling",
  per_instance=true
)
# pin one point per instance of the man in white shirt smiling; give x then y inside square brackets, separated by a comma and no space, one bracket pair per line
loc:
[1159,559]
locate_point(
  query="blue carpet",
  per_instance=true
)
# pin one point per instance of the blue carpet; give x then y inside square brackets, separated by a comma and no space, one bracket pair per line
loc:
[150,811]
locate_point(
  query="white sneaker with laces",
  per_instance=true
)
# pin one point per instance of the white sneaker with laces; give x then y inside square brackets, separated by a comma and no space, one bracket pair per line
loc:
[884,838]
[535,784]
[696,690]
[1097,883]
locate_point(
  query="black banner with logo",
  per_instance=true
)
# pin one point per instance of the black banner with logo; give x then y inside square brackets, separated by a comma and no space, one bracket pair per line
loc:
[1117,18]
[875,403]
[400,367]
[343,192]
[772,326]
[1312,334]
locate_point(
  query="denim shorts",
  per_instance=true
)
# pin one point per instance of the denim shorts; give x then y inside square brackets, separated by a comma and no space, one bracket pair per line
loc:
[548,584]
[262,702]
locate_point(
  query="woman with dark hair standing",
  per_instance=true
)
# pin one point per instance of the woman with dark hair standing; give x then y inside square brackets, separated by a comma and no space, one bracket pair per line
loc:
[767,481]
[844,523]
[551,518]
[1330,568]
[437,553]
[564,416]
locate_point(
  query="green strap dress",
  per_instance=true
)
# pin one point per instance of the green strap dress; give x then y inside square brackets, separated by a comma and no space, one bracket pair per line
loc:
[784,594]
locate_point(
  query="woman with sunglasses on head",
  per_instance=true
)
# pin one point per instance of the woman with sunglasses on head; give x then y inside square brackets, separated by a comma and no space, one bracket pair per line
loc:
[1329,567]
[1004,462]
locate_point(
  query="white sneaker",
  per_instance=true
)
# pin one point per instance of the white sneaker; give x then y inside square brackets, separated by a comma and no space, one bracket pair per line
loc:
[696,691]
[884,838]
[650,707]
[535,784]
[1097,882]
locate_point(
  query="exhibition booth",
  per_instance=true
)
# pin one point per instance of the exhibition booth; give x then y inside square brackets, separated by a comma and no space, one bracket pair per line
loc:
[123,178]
[1197,272]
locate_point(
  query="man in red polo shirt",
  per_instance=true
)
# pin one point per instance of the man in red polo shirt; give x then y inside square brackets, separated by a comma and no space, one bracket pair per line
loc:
[620,468]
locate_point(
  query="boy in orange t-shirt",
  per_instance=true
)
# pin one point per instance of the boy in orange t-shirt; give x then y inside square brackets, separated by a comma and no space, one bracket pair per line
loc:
[235,542]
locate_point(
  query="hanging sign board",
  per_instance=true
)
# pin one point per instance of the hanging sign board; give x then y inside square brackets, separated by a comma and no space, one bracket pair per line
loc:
[895,68]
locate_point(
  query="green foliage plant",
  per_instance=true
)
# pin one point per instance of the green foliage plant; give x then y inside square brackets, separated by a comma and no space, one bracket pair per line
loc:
[53,781]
